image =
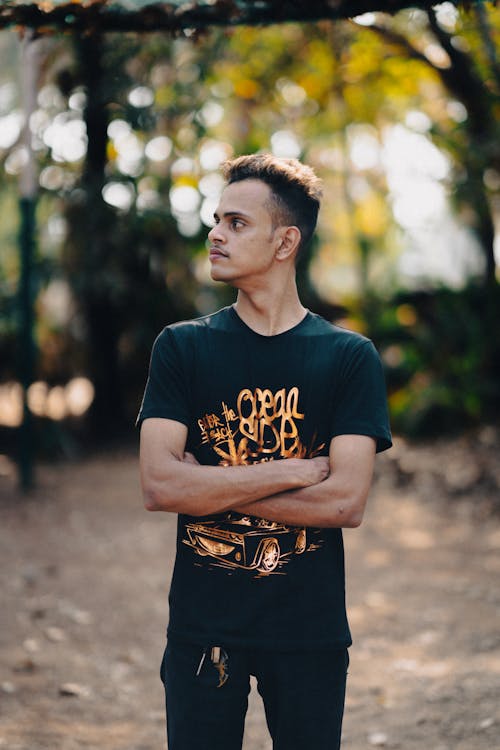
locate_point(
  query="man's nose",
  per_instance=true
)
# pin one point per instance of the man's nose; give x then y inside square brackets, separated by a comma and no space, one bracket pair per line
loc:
[215,234]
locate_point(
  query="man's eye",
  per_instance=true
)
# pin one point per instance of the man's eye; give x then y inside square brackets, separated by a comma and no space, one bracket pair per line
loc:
[236,223]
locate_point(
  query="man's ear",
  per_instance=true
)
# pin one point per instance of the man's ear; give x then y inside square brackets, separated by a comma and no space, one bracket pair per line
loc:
[289,243]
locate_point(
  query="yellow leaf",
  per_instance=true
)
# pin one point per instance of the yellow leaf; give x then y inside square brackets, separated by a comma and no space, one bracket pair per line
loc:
[111,151]
[372,216]
[186,180]
[246,88]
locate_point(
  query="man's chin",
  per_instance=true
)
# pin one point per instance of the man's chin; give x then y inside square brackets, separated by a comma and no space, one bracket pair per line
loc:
[217,275]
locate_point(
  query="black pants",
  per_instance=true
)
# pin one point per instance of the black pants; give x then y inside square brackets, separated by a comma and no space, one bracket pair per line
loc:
[303,696]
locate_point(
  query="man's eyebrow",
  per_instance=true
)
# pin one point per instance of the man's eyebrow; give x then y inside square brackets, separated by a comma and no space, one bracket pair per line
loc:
[228,214]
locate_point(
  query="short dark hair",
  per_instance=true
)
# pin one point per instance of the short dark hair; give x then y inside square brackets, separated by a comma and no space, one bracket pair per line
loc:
[295,189]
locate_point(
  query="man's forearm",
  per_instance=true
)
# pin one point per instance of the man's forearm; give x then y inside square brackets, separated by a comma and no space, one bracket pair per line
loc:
[309,506]
[295,507]
[183,487]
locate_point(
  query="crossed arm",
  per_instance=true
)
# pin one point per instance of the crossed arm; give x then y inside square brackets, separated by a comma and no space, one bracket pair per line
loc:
[319,491]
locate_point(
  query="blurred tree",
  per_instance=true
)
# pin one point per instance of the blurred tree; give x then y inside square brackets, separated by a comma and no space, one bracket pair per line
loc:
[131,133]
[119,250]
[467,65]
[443,367]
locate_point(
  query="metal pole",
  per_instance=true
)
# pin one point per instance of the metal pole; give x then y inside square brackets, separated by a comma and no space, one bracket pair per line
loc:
[28,185]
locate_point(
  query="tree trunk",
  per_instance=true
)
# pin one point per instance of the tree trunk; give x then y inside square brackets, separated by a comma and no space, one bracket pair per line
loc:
[28,187]
[95,286]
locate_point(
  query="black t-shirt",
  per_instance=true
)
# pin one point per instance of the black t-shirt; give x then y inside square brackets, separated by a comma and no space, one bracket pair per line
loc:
[241,580]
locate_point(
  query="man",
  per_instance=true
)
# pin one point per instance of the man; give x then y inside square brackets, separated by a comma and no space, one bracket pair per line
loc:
[260,425]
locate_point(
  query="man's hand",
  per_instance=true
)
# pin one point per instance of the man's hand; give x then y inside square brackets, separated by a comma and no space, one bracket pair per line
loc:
[311,470]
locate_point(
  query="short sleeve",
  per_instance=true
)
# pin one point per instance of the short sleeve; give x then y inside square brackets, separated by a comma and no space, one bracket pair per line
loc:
[361,401]
[165,395]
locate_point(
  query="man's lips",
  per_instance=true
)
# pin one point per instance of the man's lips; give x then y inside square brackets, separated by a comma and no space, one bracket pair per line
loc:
[215,253]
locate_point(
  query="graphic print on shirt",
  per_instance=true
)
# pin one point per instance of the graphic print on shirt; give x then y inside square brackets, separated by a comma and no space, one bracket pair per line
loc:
[262,426]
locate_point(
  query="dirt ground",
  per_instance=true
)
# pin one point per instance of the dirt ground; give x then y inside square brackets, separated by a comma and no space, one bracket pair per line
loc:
[84,574]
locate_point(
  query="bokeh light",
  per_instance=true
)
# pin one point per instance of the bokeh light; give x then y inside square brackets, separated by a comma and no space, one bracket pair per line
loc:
[56,403]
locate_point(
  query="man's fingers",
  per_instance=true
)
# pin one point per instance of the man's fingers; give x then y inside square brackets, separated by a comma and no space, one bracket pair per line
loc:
[323,463]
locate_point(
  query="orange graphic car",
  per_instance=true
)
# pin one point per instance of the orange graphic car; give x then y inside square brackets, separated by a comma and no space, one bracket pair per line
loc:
[252,544]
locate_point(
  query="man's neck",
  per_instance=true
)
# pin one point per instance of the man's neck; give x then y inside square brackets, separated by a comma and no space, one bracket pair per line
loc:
[268,314]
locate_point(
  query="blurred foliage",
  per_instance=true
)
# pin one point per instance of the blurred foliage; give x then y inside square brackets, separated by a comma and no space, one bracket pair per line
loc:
[121,241]
[442,358]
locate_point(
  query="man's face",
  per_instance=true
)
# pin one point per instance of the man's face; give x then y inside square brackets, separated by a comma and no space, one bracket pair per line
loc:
[243,242]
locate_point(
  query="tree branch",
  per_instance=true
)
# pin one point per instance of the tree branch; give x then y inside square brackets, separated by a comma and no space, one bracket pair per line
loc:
[489,45]
[100,15]
[463,82]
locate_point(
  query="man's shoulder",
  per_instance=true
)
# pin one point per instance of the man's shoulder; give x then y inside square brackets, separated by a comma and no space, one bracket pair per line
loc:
[337,334]
[182,329]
